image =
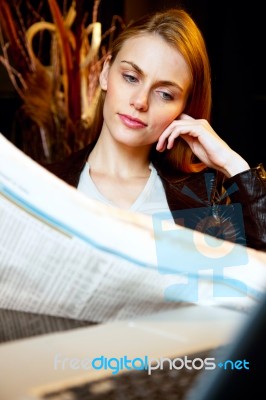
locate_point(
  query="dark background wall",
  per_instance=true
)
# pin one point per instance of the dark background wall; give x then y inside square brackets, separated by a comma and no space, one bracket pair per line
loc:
[235,37]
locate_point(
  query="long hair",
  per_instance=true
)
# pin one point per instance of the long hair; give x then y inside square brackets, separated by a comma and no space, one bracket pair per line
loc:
[179,30]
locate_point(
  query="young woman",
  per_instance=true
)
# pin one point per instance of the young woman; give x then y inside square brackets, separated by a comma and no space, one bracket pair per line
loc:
[153,148]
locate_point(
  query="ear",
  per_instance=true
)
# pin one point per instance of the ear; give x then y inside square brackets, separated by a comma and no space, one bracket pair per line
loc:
[103,79]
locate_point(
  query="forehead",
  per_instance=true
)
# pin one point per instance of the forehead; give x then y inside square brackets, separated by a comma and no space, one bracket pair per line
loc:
[154,55]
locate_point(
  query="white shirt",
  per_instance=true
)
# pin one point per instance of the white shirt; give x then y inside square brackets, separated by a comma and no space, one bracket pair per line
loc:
[151,200]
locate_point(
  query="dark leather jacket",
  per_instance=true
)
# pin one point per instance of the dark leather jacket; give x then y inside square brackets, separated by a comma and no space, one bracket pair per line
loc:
[233,209]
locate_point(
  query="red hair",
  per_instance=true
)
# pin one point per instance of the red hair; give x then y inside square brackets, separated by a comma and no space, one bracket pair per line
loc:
[179,30]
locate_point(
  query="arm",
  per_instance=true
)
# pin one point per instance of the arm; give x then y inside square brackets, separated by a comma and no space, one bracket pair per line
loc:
[216,154]
[205,144]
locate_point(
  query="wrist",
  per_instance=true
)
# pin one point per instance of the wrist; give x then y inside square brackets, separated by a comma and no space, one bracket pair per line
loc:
[236,166]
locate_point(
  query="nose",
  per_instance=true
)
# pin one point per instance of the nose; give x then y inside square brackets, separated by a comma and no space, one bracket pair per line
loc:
[140,100]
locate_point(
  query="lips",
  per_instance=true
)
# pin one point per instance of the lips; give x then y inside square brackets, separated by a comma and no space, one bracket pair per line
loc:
[131,122]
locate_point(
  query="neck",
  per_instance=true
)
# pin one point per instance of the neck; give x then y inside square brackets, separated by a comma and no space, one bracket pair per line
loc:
[113,158]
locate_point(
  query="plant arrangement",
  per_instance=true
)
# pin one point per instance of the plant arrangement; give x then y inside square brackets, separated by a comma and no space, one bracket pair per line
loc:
[53,60]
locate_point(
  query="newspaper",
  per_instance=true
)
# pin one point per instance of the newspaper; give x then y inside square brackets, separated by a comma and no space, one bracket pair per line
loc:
[63,254]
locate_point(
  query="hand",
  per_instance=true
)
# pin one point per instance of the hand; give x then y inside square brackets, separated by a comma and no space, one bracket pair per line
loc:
[205,144]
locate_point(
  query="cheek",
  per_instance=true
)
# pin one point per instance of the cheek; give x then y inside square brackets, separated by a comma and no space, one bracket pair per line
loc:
[110,102]
[116,92]
[162,120]
[115,98]
[110,93]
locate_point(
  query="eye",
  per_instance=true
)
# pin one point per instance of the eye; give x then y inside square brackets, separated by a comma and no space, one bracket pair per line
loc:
[165,95]
[130,78]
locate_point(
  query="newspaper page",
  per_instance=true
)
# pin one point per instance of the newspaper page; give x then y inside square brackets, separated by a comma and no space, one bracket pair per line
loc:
[66,255]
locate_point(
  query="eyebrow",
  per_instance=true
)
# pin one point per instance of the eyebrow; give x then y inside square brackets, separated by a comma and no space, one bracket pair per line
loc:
[139,70]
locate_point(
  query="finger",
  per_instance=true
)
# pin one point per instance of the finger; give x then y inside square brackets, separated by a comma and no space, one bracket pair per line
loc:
[170,141]
[176,128]
[176,132]
[184,116]
[161,144]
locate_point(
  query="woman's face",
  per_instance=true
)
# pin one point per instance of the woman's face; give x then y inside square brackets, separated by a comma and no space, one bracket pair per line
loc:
[146,89]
